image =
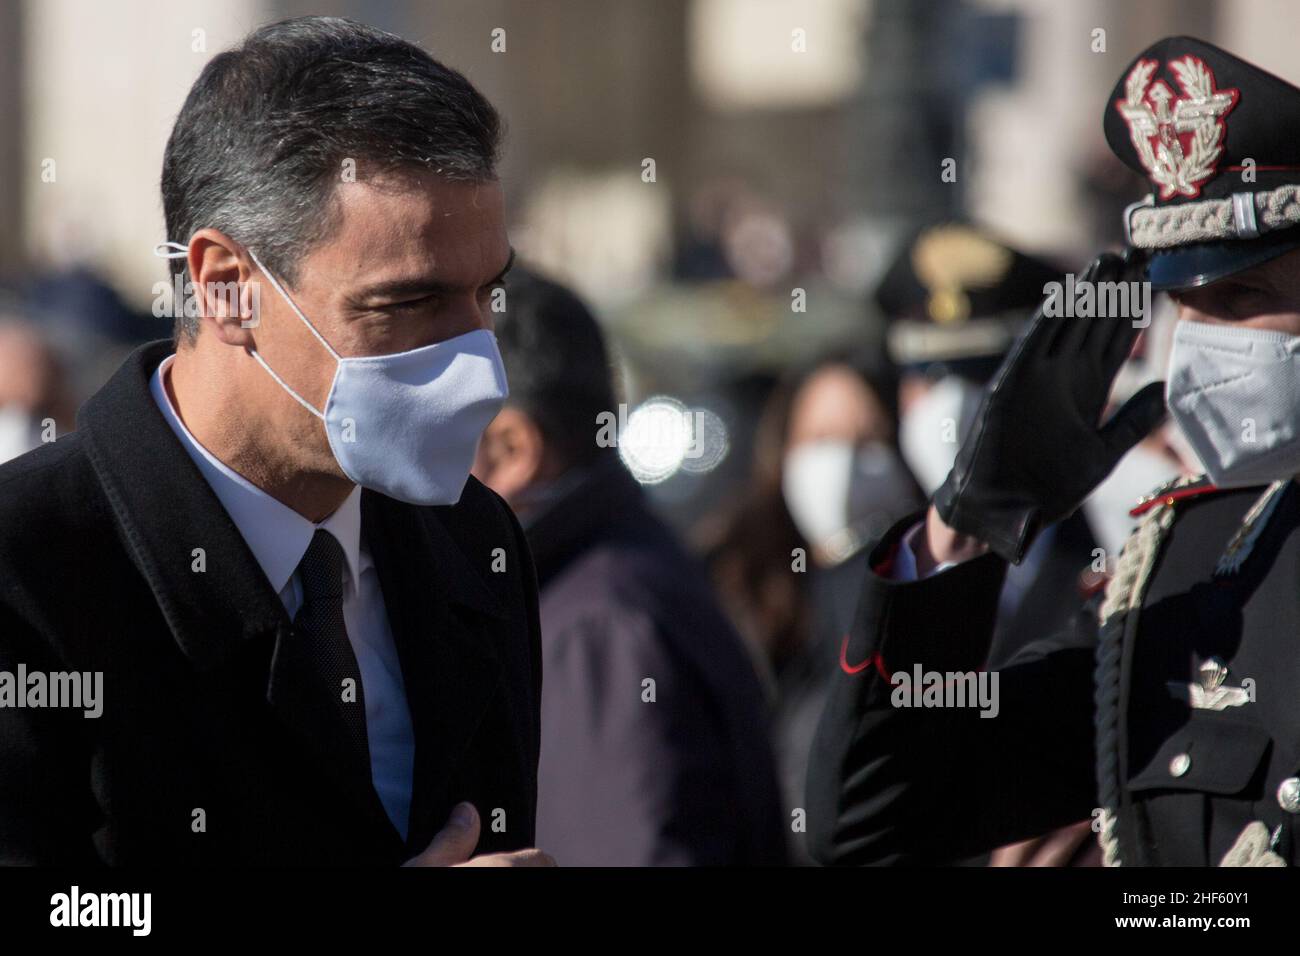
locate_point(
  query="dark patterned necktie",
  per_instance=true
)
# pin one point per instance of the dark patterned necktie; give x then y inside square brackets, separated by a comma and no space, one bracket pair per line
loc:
[322,658]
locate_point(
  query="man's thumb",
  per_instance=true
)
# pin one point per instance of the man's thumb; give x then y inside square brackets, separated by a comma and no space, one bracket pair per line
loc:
[455,842]
[1135,420]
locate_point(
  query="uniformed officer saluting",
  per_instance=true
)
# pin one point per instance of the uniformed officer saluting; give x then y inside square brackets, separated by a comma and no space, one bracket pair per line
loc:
[1170,712]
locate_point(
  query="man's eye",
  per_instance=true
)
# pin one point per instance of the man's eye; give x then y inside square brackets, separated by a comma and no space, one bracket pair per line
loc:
[410,305]
[1245,301]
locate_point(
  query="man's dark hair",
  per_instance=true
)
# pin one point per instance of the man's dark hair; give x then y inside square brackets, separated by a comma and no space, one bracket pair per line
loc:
[262,139]
[556,363]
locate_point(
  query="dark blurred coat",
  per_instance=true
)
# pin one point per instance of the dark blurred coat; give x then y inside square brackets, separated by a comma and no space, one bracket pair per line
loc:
[686,779]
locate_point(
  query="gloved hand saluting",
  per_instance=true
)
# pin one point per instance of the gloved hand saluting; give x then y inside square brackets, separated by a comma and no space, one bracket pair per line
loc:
[1037,447]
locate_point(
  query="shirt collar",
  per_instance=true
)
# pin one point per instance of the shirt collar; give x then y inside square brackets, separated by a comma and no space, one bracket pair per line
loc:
[276,534]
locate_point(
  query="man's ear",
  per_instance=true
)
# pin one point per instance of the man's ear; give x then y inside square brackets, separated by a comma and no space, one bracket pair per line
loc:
[227,300]
[511,453]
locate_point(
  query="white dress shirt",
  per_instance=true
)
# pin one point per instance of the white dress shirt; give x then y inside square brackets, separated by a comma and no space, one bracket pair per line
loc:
[278,537]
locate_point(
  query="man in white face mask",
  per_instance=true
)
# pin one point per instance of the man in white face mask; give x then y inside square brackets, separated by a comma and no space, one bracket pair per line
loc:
[956,297]
[263,534]
[1168,714]
[1156,460]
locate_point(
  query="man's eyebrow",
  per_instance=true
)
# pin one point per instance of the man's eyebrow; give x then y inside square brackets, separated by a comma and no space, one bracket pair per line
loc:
[421,285]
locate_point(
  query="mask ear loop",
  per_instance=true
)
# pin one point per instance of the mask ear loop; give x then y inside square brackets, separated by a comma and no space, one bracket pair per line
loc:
[171,250]
[293,305]
[305,321]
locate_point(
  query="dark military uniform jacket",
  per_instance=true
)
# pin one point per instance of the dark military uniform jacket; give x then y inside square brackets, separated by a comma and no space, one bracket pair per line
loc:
[1169,712]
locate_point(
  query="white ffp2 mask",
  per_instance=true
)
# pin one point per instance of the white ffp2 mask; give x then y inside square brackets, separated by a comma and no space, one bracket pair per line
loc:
[407,425]
[19,432]
[932,429]
[1235,393]
[841,495]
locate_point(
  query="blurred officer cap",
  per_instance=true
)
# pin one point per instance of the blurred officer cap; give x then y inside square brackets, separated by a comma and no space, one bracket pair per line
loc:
[956,297]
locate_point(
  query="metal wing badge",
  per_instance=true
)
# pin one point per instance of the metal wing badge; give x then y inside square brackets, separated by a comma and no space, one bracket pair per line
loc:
[1208,692]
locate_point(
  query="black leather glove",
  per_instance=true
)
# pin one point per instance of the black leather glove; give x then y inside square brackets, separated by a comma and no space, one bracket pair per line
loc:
[1037,448]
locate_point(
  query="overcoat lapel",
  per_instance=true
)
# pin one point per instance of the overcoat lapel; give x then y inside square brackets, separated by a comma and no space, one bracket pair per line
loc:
[442,616]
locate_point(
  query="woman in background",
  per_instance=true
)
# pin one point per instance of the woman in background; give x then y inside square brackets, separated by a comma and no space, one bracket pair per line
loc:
[826,480]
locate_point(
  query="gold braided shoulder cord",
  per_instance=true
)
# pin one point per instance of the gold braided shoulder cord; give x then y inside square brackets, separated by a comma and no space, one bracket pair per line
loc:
[1123,594]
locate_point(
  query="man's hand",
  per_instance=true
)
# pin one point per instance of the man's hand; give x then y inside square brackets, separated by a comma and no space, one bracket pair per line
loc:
[1038,448]
[455,842]
[1069,846]
[939,543]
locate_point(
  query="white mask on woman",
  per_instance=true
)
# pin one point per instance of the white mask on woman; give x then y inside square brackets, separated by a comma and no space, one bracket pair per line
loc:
[841,495]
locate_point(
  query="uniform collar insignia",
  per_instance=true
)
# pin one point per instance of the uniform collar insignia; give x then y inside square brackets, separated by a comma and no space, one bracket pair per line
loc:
[1252,526]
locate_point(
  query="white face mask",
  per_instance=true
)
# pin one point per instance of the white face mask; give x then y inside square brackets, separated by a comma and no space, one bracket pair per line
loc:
[19,432]
[407,425]
[1235,393]
[932,429]
[840,496]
